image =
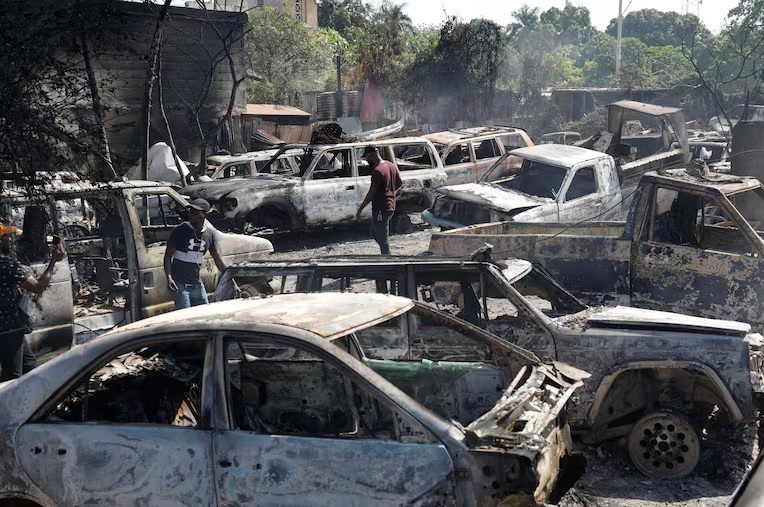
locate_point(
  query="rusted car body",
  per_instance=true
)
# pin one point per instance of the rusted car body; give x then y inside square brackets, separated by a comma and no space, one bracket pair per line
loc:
[469,152]
[554,183]
[273,402]
[566,137]
[114,235]
[646,367]
[691,244]
[327,188]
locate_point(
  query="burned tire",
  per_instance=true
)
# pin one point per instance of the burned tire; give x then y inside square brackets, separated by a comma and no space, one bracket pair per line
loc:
[269,218]
[664,445]
[248,290]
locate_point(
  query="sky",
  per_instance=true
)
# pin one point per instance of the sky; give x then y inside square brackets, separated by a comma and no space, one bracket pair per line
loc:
[424,12]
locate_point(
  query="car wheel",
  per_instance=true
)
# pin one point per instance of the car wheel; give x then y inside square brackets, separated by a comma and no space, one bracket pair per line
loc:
[248,290]
[664,445]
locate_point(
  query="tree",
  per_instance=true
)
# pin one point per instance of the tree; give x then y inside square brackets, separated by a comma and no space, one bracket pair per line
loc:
[341,15]
[381,46]
[465,64]
[660,28]
[288,57]
[736,61]
[47,120]
[573,25]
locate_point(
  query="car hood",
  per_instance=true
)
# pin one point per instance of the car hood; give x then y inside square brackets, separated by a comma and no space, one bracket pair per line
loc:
[486,194]
[624,317]
[219,188]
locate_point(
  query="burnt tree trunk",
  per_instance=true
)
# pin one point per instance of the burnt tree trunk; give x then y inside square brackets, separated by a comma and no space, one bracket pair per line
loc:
[151,72]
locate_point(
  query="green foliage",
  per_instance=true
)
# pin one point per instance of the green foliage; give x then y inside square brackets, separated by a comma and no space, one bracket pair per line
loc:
[573,25]
[659,28]
[382,45]
[343,15]
[287,57]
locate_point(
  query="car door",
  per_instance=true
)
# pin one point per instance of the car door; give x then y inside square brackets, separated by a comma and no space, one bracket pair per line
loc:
[458,161]
[304,433]
[131,432]
[486,153]
[692,257]
[330,190]
[580,198]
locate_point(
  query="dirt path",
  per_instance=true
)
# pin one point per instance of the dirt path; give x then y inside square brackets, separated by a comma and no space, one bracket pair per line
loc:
[610,480]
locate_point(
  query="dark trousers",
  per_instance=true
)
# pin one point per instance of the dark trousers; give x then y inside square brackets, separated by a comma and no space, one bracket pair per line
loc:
[380,229]
[16,357]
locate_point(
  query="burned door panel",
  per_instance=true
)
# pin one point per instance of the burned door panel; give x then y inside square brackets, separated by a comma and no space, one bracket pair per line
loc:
[264,470]
[79,464]
[693,258]
[330,189]
[307,435]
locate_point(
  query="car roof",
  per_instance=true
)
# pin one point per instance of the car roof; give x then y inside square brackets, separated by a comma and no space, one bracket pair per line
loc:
[557,154]
[329,315]
[718,182]
[453,135]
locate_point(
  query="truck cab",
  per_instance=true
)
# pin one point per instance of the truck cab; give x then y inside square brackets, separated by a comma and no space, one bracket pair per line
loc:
[113,274]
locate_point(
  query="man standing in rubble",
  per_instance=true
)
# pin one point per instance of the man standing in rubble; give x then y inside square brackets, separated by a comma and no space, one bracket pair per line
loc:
[184,255]
[16,357]
[385,181]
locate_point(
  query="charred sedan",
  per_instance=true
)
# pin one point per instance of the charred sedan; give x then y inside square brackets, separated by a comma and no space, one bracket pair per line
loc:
[272,402]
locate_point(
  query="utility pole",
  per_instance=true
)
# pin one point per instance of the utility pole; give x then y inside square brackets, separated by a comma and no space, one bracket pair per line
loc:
[618,49]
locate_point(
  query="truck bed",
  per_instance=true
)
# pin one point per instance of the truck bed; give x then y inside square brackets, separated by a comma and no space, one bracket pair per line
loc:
[591,259]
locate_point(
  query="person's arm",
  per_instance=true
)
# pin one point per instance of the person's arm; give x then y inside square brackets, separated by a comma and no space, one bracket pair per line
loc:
[169,252]
[398,181]
[38,285]
[219,262]
[367,199]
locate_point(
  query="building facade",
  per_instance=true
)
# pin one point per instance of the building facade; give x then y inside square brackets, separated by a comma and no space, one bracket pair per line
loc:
[305,11]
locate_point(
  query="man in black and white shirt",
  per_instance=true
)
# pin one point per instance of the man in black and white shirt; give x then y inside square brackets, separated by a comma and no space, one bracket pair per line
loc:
[13,323]
[184,255]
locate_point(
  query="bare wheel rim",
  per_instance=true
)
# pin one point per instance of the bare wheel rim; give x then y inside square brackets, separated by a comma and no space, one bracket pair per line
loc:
[664,445]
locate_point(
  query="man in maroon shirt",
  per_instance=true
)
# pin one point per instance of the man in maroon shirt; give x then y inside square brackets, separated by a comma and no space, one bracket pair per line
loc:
[385,180]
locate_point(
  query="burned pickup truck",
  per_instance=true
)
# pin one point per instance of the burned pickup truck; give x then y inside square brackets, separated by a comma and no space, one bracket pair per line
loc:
[114,235]
[652,373]
[554,183]
[691,244]
[275,402]
[307,186]
[594,180]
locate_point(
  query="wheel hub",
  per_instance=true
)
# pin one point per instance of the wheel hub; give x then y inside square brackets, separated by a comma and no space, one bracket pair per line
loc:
[663,445]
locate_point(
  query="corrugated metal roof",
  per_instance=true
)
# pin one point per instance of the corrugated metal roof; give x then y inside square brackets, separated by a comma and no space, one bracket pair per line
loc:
[273,110]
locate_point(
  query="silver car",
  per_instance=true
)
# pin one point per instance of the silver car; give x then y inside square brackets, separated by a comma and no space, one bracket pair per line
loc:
[273,402]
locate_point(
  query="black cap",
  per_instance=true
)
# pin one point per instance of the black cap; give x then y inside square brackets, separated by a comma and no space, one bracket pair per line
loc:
[199,204]
[370,149]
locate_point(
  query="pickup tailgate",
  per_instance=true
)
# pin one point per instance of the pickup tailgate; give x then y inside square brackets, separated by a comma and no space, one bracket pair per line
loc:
[522,440]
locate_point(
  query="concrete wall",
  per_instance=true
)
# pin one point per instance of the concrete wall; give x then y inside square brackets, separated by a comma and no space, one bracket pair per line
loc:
[189,38]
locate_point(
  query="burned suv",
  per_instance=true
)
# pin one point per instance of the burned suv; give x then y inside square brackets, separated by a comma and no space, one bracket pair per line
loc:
[656,377]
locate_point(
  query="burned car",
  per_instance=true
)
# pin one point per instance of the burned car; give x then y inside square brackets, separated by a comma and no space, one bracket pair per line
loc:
[649,370]
[274,402]
[306,186]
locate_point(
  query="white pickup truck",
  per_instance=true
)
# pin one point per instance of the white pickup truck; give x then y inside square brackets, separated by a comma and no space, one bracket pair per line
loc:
[555,183]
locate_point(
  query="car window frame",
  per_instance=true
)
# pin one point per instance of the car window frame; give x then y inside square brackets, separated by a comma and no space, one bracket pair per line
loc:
[207,401]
